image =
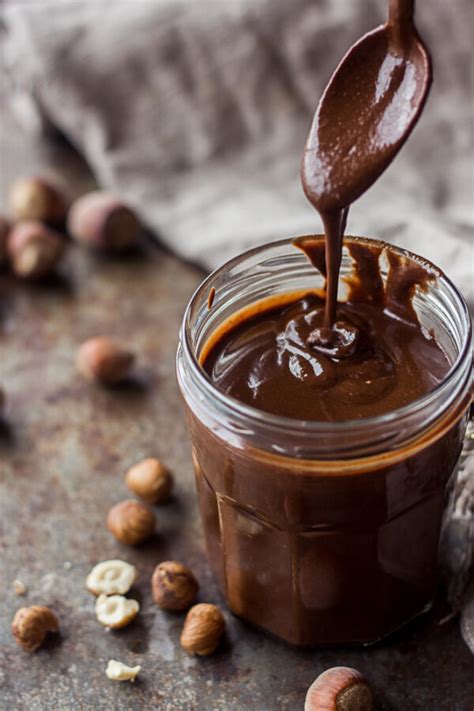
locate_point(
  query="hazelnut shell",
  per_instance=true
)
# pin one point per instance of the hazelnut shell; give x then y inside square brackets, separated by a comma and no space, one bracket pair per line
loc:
[103,221]
[339,689]
[37,199]
[174,587]
[104,360]
[131,522]
[31,624]
[150,480]
[203,629]
[34,250]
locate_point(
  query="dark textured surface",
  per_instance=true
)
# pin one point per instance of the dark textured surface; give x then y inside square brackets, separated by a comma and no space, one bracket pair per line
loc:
[63,452]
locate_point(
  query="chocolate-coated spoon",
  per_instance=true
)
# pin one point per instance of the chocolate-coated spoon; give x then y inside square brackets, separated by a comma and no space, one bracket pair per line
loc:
[365,115]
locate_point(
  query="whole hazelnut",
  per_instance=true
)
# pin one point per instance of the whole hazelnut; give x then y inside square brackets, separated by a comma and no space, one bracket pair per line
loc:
[103,221]
[4,230]
[203,629]
[131,522]
[34,250]
[339,689]
[150,480]
[105,360]
[31,624]
[174,587]
[37,199]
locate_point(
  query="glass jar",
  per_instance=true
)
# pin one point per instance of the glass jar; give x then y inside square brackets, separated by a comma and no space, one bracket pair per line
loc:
[322,533]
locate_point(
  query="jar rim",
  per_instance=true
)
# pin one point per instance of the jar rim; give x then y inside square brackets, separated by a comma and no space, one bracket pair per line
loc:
[288,424]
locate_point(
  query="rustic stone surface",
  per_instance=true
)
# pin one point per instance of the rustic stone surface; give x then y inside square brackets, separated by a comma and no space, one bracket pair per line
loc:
[64,451]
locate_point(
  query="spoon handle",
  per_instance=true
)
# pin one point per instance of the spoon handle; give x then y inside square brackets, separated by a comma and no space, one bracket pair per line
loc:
[400,11]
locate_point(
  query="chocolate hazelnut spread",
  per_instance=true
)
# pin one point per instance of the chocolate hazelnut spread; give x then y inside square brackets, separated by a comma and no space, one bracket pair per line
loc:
[381,360]
[314,535]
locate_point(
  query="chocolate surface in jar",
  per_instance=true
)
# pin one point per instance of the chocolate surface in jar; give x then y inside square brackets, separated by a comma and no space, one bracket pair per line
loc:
[376,359]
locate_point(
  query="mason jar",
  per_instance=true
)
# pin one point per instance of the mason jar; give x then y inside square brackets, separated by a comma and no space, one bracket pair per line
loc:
[322,532]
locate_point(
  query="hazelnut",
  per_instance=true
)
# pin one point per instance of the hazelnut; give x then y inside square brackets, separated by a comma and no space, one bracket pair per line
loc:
[115,611]
[173,585]
[131,522]
[37,199]
[4,230]
[31,624]
[117,671]
[111,577]
[203,629]
[103,221]
[105,360]
[150,480]
[339,689]
[34,250]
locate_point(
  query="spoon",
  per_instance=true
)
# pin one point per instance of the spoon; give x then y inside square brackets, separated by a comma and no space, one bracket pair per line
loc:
[367,111]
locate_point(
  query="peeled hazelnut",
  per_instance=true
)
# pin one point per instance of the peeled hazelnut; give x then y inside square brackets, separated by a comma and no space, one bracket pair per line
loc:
[173,585]
[117,671]
[115,611]
[131,522]
[111,577]
[105,360]
[203,629]
[37,199]
[4,230]
[34,250]
[31,624]
[103,221]
[150,480]
[339,689]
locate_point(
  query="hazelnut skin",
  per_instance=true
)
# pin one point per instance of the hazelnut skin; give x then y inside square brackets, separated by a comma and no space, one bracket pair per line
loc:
[31,624]
[339,689]
[150,480]
[104,360]
[174,587]
[34,250]
[131,522]
[203,629]
[37,199]
[4,230]
[103,221]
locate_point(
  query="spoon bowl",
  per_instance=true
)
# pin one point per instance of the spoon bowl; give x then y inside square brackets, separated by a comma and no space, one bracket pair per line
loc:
[367,111]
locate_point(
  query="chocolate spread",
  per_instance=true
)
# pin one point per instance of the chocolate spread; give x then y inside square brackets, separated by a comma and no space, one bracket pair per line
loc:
[381,359]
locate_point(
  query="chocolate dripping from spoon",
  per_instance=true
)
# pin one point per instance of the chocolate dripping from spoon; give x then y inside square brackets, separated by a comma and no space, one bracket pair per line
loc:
[366,113]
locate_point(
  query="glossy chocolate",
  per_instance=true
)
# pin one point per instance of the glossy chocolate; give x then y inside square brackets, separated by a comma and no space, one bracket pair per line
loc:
[375,359]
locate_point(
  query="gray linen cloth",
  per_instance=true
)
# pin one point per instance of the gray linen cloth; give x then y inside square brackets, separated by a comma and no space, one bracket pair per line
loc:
[197,113]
